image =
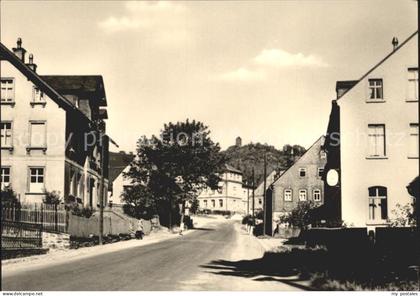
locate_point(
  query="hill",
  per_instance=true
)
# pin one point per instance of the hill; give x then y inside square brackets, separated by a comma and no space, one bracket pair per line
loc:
[252,155]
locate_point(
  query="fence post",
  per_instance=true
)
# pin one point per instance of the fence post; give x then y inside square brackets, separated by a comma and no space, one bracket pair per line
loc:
[55,218]
[42,214]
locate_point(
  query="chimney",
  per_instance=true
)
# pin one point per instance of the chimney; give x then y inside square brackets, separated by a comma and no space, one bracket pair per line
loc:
[30,63]
[394,43]
[238,142]
[19,51]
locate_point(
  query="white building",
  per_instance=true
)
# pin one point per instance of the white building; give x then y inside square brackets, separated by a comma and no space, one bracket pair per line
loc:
[379,129]
[231,195]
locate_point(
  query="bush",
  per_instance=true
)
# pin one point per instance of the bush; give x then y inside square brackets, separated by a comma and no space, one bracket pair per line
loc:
[52,197]
[298,217]
[8,198]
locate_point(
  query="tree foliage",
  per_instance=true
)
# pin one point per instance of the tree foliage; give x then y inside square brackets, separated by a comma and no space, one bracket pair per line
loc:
[251,156]
[297,217]
[170,169]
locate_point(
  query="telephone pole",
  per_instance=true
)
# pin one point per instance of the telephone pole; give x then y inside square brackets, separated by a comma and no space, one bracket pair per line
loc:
[265,195]
[253,196]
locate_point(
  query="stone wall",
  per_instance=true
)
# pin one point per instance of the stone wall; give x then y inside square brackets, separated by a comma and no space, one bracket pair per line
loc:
[57,241]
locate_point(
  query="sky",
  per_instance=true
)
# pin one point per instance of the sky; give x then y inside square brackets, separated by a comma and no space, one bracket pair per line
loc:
[261,70]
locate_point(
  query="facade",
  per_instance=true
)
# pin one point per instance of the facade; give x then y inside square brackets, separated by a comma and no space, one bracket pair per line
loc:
[49,131]
[378,128]
[119,163]
[300,182]
[231,196]
[259,192]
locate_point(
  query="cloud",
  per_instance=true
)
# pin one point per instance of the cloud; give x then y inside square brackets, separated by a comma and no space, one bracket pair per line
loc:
[166,21]
[280,58]
[243,74]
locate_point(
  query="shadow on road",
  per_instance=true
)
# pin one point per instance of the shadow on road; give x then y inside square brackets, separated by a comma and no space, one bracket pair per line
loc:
[203,229]
[260,270]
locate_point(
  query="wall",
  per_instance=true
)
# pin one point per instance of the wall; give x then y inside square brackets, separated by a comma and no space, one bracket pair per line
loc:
[396,170]
[18,159]
[290,179]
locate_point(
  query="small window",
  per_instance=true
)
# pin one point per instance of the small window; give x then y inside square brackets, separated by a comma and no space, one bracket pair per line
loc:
[376,89]
[287,195]
[36,180]
[6,134]
[37,96]
[213,203]
[413,84]
[7,90]
[323,155]
[378,204]
[205,203]
[302,172]
[376,136]
[260,201]
[320,172]
[38,134]
[302,195]
[414,141]
[317,195]
[221,203]
[5,177]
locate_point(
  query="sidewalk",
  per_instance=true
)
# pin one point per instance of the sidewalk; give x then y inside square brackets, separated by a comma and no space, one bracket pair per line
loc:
[59,256]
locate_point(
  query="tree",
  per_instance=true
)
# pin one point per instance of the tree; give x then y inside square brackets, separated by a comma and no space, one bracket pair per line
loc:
[194,206]
[8,198]
[173,168]
[298,216]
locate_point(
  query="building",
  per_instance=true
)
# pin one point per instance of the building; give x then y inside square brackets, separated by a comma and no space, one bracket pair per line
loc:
[50,128]
[300,182]
[119,163]
[259,192]
[375,120]
[230,196]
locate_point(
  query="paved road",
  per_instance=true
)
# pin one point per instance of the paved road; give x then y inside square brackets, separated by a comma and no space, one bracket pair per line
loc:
[177,264]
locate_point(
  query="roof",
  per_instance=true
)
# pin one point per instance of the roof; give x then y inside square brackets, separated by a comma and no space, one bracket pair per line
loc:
[117,163]
[93,85]
[230,168]
[320,139]
[380,63]
[6,54]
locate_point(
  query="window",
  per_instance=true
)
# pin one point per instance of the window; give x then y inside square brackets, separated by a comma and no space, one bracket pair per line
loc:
[260,201]
[323,155]
[413,84]
[320,172]
[213,203]
[302,172]
[376,89]
[376,136]
[5,177]
[317,195]
[413,151]
[37,95]
[378,205]
[287,195]
[205,203]
[38,134]
[36,180]
[7,90]
[221,203]
[302,194]
[6,134]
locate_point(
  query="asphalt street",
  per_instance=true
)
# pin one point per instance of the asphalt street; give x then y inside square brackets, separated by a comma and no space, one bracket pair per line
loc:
[176,264]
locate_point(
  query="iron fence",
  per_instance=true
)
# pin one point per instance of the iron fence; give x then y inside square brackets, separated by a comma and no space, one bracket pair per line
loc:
[20,235]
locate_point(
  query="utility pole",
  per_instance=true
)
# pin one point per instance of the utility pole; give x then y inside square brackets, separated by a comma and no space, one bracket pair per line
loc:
[101,190]
[253,196]
[265,195]
[247,198]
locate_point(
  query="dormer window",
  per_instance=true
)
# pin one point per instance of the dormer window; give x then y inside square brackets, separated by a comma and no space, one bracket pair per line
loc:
[376,91]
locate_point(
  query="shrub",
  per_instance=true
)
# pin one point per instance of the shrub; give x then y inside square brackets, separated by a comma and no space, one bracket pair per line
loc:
[52,197]
[298,215]
[8,198]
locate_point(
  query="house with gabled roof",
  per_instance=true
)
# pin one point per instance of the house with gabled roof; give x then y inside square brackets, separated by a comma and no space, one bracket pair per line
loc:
[373,139]
[52,131]
[301,182]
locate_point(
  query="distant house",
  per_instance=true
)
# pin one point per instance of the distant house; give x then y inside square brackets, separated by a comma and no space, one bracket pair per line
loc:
[373,140]
[231,195]
[259,192]
[50,131]
[300,182]
[119,163]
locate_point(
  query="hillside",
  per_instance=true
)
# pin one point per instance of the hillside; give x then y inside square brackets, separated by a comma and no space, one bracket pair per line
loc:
[252,155]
